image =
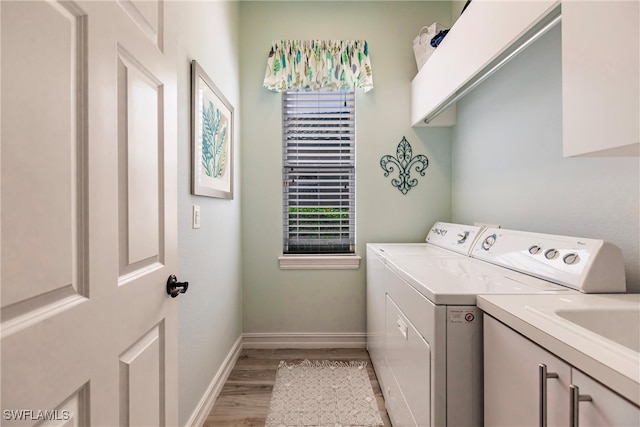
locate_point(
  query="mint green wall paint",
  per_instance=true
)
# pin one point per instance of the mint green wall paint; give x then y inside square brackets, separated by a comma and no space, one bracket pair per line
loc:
[209,257]
[508,166]
[333,301]
[456,9]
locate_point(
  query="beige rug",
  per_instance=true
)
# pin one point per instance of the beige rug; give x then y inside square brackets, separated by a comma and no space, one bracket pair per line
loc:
[327,394]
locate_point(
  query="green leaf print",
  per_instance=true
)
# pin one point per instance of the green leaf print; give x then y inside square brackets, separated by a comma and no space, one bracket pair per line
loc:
[214,144]
[207,139]
[318,64]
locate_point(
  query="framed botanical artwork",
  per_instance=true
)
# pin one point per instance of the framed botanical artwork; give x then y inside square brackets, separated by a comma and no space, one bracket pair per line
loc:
[211,138]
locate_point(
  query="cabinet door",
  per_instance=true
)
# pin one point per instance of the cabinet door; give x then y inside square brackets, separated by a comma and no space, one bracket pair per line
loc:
[601,77]
[512,386]
[605,408]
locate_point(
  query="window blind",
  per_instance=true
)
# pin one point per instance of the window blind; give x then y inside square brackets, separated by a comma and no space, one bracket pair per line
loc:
[318,142]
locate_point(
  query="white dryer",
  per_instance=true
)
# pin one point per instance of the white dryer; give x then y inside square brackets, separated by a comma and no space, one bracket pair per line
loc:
[424,331]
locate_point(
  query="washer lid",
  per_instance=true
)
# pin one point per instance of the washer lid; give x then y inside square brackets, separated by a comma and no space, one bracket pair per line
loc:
[458,280]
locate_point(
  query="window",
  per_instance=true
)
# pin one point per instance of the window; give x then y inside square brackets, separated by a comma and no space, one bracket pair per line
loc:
[318,140]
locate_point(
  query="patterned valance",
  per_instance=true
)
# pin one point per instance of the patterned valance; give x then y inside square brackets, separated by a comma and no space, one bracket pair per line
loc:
[318,65]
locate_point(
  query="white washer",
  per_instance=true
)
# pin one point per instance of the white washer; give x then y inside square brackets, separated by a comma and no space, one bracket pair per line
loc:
[424,331]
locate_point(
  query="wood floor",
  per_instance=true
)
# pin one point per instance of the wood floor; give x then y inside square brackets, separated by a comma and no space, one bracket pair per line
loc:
[244,399]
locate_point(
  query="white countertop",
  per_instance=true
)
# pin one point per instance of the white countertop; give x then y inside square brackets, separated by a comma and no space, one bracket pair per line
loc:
[613,361]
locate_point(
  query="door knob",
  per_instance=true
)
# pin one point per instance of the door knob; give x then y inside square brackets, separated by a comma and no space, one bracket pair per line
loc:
[175,288]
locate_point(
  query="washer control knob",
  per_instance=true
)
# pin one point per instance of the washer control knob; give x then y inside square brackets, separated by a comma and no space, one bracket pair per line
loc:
[488,242]
[535,249]
[551,254]
[571,258]
[463,236]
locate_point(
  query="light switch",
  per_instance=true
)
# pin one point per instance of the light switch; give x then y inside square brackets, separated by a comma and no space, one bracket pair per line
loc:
[196,216]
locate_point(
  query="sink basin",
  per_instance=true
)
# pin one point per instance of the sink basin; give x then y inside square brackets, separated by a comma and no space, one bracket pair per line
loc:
[618,325]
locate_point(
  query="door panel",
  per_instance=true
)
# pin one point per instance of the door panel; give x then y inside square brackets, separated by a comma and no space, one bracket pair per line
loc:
[43,258]
[141,136]
[70,413]
[148,15]
[88,134]
[141,376]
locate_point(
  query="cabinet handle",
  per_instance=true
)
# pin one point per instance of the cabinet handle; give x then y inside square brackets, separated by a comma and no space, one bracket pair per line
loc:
[574,402]
[543,375]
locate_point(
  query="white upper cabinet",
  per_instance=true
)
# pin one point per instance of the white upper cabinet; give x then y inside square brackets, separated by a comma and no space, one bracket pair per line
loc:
[601,78]
[485,33]
[600,67]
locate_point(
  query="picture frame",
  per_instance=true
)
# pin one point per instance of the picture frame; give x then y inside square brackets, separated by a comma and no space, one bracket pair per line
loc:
[212,122]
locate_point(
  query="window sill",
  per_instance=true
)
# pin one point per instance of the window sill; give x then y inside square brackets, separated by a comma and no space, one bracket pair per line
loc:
[319,262]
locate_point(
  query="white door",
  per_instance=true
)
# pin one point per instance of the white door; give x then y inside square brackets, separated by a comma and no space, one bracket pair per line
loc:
[88,212]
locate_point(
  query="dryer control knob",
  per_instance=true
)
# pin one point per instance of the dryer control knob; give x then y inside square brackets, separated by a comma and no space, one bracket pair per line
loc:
[463,236]
[488,242]
[535,249]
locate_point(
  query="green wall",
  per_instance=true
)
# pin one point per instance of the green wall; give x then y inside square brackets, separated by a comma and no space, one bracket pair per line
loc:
[508,167]
[329,301]
[209,257]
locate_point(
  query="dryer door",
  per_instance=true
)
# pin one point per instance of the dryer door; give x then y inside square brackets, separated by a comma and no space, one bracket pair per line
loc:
[409,357]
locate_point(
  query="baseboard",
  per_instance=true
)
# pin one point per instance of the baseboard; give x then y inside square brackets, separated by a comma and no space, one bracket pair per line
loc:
[269,340]
[304,340]
[205,405]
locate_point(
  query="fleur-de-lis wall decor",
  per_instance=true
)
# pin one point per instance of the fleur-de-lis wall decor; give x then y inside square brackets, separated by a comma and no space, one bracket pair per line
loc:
[404,161]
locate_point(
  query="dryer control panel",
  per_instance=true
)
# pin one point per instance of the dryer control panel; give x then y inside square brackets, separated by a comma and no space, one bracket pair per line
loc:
[454,237]
[587,265]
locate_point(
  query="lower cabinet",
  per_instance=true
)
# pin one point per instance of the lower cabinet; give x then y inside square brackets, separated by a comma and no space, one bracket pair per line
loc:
[525,385]
[605,408]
